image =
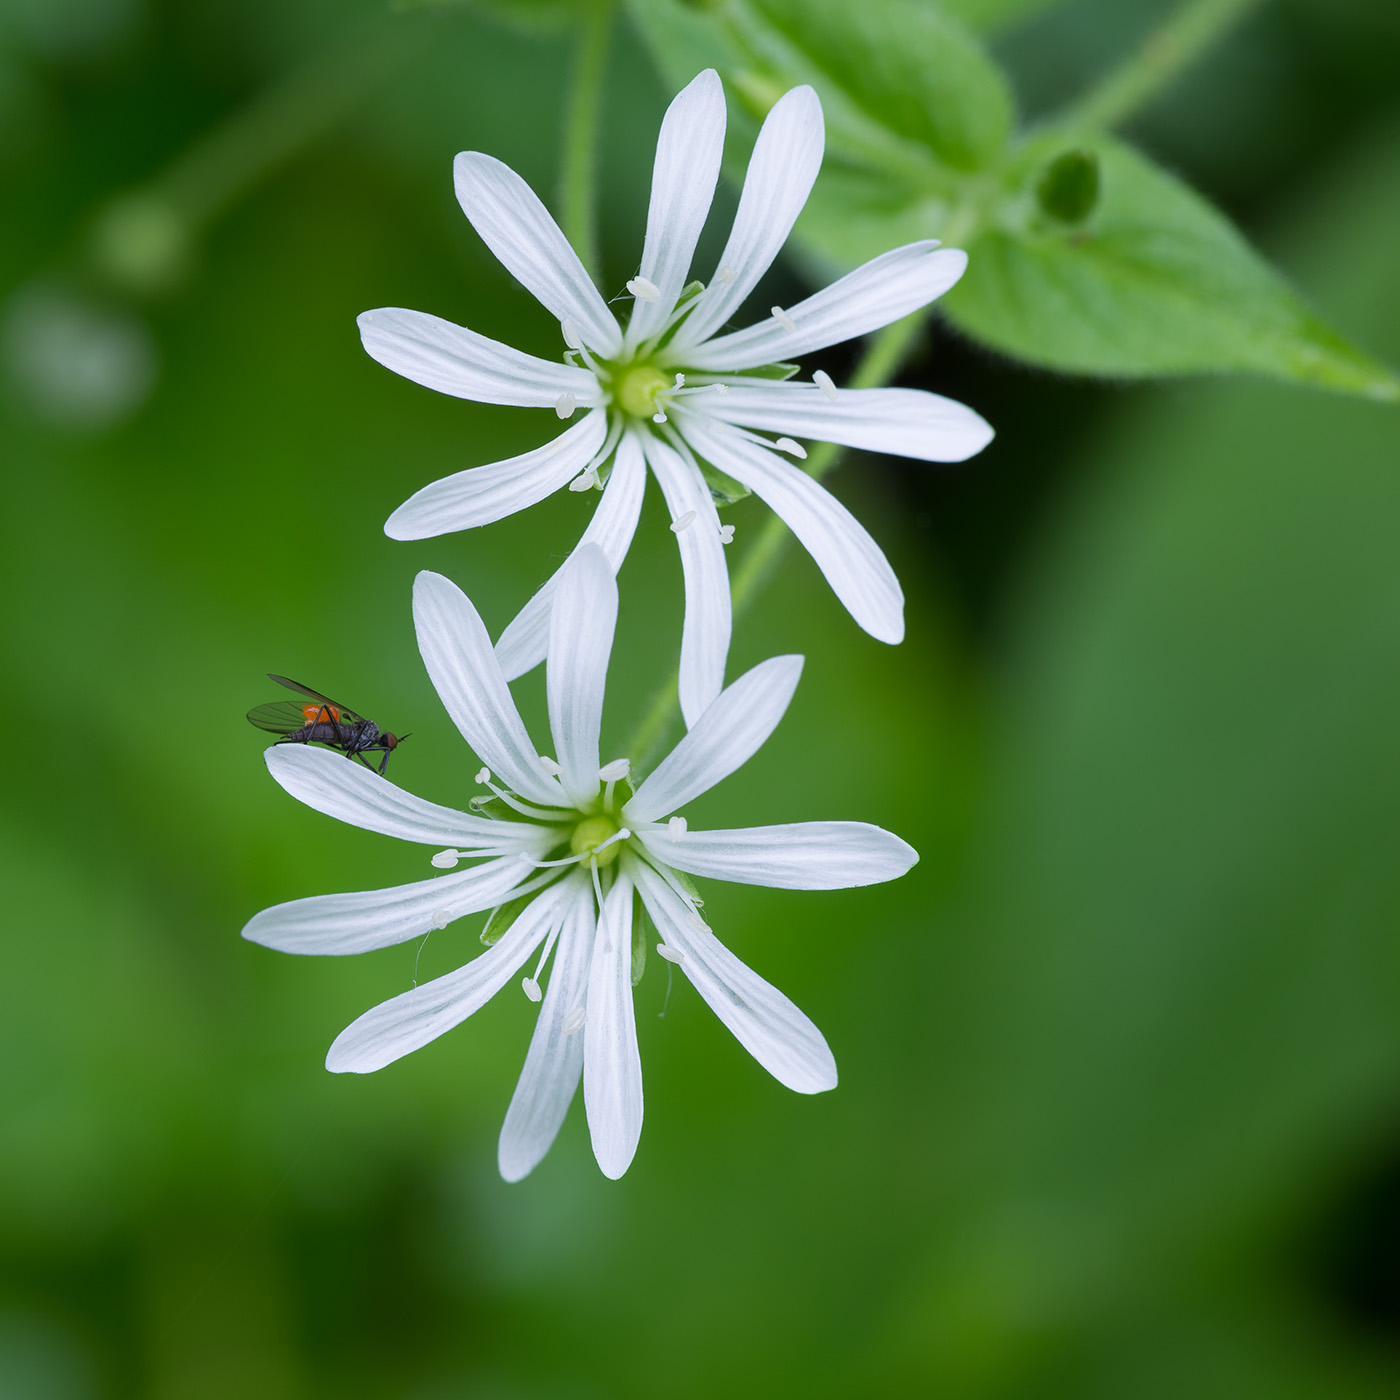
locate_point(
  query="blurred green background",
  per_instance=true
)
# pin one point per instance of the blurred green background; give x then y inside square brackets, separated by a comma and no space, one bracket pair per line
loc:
[1120,1100]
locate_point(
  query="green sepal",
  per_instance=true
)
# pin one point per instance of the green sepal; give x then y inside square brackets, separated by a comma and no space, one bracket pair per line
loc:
[496,810]
[642,932]
[503,916]
[777,370]
[1069,188]
[724,490]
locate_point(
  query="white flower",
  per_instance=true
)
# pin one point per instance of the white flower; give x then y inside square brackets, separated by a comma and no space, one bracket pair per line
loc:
[669,392]
[562,846]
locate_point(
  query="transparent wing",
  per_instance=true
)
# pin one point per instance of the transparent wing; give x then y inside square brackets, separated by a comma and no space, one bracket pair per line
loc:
[346,713]
[277,717]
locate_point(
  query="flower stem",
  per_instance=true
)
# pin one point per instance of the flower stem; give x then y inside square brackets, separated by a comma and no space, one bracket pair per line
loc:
[578,176]
[1171,48]
[882,358]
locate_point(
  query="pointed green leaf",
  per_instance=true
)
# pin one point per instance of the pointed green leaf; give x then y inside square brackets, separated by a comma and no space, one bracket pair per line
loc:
[1157,282]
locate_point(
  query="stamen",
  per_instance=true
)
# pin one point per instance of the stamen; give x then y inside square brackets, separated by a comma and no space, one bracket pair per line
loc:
[620,835]
[644,290]
[484,776]
[784,320]
[659,416]
[697,923]
[586,480]
[726,534]
[720,389]
[565,404]
[794,449]
[675,828]
[618,768]
[726,274]
[571,335]
[823,382]
[574,1024]
[526,809]
[670,954]
[680,382]
[531,988]
[683,522]
[440,918]
[445,860]
[549,766]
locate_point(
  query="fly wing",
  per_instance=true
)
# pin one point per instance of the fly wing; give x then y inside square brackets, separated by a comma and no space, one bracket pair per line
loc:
[277,717]
[346,713]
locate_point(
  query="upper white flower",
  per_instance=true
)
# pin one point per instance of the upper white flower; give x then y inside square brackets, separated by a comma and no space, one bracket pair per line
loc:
[563,845]
[668,391]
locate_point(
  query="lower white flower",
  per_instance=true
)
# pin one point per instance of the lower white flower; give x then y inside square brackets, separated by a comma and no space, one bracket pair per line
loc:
[564,855]
[671,392]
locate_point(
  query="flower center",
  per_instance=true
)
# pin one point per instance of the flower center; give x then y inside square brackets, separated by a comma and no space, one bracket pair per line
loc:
[591,833]
[635,390]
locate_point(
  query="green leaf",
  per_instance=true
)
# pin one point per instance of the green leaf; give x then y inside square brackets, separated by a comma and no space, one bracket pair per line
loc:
[907,66]
[988,16]
[1069,188]
[1157,283]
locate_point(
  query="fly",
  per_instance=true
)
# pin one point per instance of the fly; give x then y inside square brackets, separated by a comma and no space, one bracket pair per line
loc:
[323,721]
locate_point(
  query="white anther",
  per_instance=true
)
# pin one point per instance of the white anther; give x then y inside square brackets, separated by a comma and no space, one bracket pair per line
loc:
[675,828]
[618,768]
[564,405]
[784,320]
[793,449]
[726,534]
[683,522]
[574,1024]
[726,274]
[440,918]
[644,290]
[549,766]
[586,480]
[680,382]
[670,954]
[484,776]
[823,382]
[697,923]
[531,988]
[658,417]
[571,335]
[720,389]
[445,860]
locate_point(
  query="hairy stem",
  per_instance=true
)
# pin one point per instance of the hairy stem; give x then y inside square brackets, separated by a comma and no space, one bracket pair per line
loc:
[878,365]
[1187,33]
[578,176]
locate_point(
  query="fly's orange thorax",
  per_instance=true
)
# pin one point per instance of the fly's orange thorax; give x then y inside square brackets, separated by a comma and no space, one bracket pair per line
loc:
[320,714]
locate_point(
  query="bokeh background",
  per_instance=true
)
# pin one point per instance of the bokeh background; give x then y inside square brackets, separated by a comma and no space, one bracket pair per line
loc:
[1120,1100]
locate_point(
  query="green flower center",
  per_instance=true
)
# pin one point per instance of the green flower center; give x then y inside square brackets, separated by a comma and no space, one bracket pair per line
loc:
[590,833]
[636,387]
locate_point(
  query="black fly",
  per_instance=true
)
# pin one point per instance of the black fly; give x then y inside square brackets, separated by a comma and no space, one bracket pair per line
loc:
[326,721]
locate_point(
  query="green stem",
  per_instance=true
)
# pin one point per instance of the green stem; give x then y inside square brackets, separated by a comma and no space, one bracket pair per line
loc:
[1160,59]
[878,365]
[578,176]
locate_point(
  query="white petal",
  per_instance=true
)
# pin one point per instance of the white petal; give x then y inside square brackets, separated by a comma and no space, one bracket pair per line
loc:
[555,1060]
[688,153]
[708,617]
[852,563]
[520,231]
[522,646]
[468,679]
[480,495]
[794,856]
[407,1022]
[580,644]
[883,290]
[456,361]
[612,1066]
[759,1016]
[341,789]
[785,161]
[334,925]
[724,738]
[905,422]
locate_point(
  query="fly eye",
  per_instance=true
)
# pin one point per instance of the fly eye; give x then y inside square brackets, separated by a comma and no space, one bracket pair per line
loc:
[390,742]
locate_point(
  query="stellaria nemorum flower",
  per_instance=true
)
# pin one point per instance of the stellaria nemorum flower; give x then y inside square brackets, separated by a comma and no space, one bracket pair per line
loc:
[566,850]
[670,392]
